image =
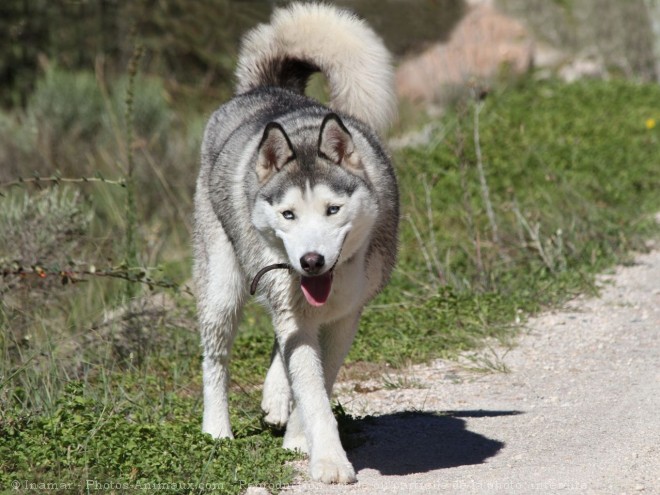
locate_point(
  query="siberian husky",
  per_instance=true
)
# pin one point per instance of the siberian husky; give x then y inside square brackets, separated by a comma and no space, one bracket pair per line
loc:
[297,201]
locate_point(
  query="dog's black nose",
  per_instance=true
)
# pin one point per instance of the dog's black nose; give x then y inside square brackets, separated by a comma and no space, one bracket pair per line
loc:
[312,263]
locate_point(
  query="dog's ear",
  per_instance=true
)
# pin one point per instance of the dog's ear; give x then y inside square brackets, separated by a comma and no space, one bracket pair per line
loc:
[275,151]
[336,143]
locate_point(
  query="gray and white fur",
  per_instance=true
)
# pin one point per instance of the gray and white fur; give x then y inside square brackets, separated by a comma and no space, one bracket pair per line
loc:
[285,179]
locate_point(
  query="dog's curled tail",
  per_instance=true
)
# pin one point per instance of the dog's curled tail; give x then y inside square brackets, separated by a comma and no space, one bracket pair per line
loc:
[305,38]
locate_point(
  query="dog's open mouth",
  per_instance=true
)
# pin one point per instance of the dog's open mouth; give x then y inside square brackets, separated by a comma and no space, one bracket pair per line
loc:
[317,289]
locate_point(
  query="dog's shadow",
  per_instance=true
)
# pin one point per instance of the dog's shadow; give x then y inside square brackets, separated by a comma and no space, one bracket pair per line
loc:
[418,442]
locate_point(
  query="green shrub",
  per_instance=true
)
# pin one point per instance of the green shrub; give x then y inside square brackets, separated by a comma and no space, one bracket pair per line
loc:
[66,104]
[151,113]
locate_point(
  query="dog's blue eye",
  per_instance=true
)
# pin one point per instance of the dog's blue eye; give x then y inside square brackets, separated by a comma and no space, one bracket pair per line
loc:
[332,210]
[288,214]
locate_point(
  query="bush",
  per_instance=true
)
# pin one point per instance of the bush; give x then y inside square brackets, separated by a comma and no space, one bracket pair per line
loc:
[65,105]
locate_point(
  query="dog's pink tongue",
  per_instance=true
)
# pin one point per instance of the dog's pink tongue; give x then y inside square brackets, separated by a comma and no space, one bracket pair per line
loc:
[317,289]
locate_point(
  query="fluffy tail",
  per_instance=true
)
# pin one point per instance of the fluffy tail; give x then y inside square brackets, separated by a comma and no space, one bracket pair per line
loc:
[305,38]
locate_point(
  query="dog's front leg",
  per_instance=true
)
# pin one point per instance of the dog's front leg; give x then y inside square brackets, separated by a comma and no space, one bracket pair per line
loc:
[276,402]
[312,413]
[221,293]
[217,339]
[216,402]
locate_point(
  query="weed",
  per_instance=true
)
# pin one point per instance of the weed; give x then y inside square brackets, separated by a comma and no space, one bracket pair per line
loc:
[483,183]
[130,250]
[395,382]
[487,361]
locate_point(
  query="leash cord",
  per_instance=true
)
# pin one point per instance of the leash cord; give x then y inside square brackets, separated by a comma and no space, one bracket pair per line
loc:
[260,273]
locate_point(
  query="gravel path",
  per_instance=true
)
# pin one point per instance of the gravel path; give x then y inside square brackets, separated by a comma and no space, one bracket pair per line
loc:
[577,412]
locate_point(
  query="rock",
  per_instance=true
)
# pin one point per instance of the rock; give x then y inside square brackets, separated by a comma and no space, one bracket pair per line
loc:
[483,43]
[591,67]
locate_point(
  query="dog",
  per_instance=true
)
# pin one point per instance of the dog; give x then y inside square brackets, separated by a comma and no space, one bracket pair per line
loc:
[298,202]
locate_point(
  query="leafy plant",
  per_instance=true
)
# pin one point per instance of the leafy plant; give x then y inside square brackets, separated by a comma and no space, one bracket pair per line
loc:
[86,444]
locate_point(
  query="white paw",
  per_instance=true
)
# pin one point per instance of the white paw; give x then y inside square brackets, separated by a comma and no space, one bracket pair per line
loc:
[334,469]
[277,409]
[216,423]
[276,402]
[216,431]
[296,442]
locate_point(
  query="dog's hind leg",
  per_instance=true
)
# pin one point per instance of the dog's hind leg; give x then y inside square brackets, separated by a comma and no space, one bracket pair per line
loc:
[221,293]
[276,402]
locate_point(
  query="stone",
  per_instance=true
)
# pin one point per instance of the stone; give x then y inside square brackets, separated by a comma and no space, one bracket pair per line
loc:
[482,44]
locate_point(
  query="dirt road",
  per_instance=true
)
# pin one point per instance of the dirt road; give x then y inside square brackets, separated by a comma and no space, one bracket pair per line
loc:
[577,411]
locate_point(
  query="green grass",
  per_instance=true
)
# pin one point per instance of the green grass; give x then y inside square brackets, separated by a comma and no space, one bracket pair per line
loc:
[136,442]
[573,174]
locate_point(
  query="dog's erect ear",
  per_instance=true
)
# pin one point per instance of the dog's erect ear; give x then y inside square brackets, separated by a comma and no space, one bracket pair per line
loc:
[336,143]
[275,151]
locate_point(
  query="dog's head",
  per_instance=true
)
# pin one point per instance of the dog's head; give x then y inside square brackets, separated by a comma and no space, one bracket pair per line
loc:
[315,202]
